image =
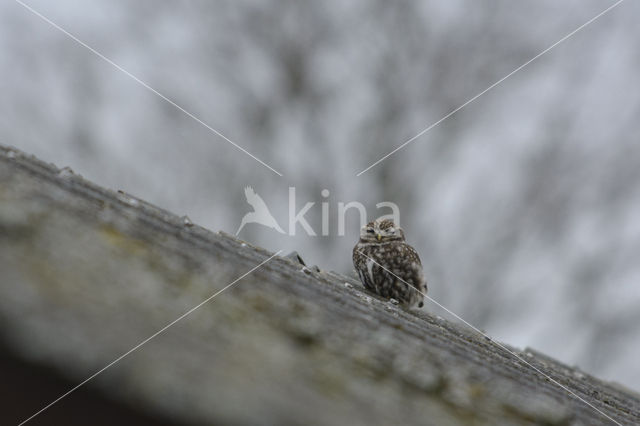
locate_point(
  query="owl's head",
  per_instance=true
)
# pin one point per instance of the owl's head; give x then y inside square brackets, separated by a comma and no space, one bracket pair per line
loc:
[380,231]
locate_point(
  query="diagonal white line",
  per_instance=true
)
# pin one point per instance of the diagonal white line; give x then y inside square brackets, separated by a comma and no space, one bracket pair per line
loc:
[500,345]
[145,341]
[142,83]
[425,130]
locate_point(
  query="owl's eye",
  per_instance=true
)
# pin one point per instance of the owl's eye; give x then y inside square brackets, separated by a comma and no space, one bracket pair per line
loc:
[391,230]
[370,231]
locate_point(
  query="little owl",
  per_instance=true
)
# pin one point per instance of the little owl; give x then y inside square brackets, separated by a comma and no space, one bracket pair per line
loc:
[387,265]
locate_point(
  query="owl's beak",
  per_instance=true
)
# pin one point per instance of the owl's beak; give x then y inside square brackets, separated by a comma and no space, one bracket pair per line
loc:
[379,237]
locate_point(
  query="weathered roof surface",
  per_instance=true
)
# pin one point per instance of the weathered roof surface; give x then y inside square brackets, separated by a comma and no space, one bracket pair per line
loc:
[88,273]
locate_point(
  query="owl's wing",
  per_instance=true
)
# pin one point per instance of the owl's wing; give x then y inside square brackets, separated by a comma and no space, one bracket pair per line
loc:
[412,255]
[360,264]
